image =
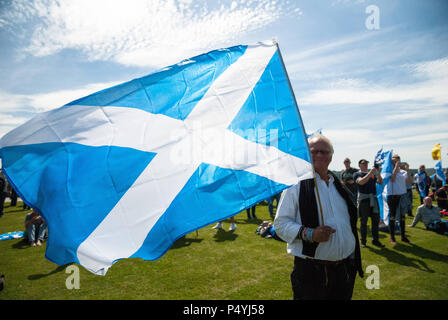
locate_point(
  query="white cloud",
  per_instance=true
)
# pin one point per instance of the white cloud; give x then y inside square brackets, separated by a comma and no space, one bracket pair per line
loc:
[141,32]
[34,103]
[429,87]
[413,143]
[435,69]
[16,109]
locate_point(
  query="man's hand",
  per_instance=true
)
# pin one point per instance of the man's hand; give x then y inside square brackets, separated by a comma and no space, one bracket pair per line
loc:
[36,219]
[322,233]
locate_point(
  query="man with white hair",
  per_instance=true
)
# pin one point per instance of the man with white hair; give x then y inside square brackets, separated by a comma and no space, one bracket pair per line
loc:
[317,218]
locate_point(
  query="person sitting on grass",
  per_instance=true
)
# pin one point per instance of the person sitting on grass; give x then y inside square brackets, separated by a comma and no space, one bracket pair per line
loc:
[430,216]
[267,230]
[35,224]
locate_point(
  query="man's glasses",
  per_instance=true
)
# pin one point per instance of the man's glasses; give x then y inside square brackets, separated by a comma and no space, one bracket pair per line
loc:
[323,152]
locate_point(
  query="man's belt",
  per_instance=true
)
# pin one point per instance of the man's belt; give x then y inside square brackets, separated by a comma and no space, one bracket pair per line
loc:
[326,262]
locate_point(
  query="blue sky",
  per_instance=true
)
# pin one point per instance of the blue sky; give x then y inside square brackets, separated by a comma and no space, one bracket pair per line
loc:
[365,88]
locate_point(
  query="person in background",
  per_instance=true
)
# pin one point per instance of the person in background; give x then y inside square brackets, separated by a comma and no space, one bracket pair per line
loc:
[3,191]
[347,178]
[430,216]
[436,184]
[271,203]
[409,195]
[442,197]
[13,196]
[396,189]
[423,181]
[232,224]
[35,225]
[248,211]
[367,200]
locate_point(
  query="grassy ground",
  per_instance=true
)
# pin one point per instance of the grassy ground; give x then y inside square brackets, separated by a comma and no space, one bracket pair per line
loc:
[221,265]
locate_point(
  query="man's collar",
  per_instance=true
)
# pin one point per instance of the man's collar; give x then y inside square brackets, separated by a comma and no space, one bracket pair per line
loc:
[330,176]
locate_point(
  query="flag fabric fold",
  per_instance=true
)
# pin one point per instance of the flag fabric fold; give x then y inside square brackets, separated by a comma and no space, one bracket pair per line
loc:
[126,171]
[422,183]
[384,158]
[439,172]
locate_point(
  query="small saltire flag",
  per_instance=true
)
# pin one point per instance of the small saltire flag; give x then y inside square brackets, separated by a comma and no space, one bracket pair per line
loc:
[422,182]
[385,159]
[126,171]
[379,157]
[439,172]
[436,152]
[318,131]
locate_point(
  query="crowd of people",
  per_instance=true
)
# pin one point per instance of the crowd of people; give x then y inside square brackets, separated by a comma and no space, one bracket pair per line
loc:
[362,182]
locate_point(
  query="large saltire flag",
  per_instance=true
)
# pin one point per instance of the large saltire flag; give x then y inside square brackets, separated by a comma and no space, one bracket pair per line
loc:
[384,158]
[126,171]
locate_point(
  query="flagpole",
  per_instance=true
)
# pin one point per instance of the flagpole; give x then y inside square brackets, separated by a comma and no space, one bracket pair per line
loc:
[303,129]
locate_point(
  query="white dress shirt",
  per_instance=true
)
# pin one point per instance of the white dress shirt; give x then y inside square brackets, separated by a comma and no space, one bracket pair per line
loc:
[335,212]
[398,187]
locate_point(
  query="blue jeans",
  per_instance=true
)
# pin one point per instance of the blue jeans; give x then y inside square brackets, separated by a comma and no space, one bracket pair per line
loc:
[30,232]
[439,226]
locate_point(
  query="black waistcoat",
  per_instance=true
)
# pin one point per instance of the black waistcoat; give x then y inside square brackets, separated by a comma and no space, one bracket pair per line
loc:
[310,216]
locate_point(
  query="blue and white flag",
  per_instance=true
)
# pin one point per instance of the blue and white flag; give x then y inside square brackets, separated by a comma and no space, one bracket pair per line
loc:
[385,158]
[318,131]
[422,182]
[126,171]
[11,235]
[439,171]
[379,157]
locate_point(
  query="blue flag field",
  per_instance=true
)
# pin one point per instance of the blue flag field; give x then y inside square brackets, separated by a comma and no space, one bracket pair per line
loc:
[125,172]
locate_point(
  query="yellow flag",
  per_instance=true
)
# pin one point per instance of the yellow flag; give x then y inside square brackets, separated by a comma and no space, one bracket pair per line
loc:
[436,152]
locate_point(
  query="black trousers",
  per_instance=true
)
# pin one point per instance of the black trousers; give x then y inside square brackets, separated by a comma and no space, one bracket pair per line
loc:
[316,281]
[253,212]
[2,201]
[393,203]
[365,211]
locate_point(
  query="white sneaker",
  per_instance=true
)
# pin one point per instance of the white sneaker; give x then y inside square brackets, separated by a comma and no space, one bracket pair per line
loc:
[38,243]
[232,227]
[218,226]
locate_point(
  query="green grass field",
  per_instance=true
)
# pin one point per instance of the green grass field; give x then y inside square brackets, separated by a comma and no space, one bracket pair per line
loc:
[221,265]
